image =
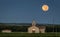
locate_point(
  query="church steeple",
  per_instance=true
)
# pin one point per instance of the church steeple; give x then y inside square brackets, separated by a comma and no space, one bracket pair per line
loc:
[33,22]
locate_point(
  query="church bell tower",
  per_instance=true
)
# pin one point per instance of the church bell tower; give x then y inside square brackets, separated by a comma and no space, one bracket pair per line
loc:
[33,23]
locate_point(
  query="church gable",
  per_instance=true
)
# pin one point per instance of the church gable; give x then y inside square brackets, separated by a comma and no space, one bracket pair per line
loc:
[33,28]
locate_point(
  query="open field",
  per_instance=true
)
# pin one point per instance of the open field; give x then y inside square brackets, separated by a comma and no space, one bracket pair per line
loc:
[18,34]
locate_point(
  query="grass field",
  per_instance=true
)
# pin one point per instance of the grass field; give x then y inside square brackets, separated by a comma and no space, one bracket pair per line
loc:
[21,34]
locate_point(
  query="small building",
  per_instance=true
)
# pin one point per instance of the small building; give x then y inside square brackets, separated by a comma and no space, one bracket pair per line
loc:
[42,29]
[6,31]
[36,29]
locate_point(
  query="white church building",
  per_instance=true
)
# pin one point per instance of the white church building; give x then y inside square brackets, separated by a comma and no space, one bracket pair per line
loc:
[35,29]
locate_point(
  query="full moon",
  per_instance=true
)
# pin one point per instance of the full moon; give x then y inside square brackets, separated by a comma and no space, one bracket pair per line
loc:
[45,7]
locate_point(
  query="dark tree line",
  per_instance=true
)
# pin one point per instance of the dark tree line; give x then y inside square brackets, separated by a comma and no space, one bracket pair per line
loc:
[14,28]
[56,28]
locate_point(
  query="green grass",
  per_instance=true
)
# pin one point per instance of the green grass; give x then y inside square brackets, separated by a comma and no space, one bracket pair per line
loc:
[21,34]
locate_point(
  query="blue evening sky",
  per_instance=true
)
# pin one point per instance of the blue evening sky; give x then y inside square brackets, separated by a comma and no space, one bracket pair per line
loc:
[24,11]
